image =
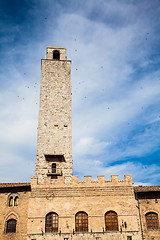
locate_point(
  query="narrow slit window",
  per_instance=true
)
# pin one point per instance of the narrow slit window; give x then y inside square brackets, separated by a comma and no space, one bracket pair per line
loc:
[53,167]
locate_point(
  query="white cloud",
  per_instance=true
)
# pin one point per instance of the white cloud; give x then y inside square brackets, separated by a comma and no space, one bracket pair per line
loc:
[142,174]
[90,146]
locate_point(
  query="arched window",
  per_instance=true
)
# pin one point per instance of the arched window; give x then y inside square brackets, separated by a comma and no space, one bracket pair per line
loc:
[51,222]
[111,221]
[11,202]
[56,54]
[81,222]
[16,200]
[152,220]
[53,167]
[11,226]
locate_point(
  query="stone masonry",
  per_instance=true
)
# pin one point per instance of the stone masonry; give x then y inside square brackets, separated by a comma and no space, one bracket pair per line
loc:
[93,197]
[55,122]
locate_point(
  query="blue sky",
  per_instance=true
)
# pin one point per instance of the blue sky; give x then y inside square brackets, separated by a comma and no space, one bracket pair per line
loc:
[115,51]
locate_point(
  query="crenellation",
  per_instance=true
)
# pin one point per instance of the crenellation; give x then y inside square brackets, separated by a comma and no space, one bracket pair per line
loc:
[114,179]
[73,181]
[128,179]
[87,179]
[101,179]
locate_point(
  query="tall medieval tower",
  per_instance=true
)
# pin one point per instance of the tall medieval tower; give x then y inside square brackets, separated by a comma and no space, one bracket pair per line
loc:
[54,141]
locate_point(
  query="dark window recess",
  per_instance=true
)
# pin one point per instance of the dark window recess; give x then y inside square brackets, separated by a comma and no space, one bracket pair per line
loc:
[81,222]
[56,54]
[11,226]
[54,171]
[53,167]
[111,221]
[55,158]
[152,220]
[129,237]
[51,222]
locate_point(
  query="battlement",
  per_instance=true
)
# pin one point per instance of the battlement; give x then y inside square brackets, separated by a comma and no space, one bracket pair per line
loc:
[88,182]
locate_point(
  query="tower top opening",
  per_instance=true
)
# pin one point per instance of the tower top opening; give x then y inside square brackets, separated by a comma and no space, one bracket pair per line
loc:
[56,53]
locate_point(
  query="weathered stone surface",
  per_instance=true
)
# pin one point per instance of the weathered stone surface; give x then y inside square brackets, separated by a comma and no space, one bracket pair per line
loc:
[55,120]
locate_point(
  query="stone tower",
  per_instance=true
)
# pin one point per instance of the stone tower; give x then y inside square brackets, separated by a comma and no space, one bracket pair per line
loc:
[54,141]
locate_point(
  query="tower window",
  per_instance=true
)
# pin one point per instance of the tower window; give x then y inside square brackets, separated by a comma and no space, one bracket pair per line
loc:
[152,220]
[52,222]
[56,54]
[11,226]
[129,237]
[81,222]
[55,158]
[16,201]
[111,221]
[11,202]
[53,167]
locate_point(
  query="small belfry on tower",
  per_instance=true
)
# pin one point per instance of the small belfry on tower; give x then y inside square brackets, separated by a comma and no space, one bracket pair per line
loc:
[54,141]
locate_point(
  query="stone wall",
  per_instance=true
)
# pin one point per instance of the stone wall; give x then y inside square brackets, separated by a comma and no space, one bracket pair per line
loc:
[19,213]
[149,201]
[86,236]
[93,197]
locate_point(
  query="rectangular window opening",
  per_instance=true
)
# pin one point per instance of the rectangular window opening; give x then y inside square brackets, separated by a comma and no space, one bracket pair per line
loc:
[55,158]
[129,237]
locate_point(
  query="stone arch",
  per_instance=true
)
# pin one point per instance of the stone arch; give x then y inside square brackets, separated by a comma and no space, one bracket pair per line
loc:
[9,216]
[13,199]
[150,210]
